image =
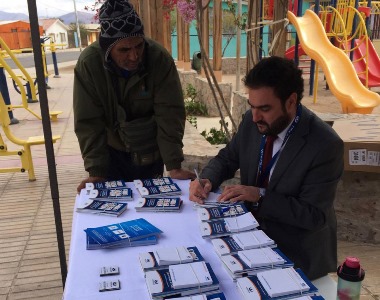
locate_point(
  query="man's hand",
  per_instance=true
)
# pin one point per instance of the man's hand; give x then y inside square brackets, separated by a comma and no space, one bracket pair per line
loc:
[199,191]
[181,174]
[91,179]
[234,193]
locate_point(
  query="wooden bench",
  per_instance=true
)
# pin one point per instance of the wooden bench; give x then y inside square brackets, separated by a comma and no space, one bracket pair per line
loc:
[54,115]
[24,153]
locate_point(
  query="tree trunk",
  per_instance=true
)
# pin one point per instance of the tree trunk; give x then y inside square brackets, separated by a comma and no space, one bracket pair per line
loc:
[279,31]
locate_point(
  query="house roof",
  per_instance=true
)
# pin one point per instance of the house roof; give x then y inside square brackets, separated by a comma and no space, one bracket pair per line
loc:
[92,27]
[47,23]
[14,21]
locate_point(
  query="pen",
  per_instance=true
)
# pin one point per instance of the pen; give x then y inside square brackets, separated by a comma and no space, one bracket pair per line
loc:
[198,178]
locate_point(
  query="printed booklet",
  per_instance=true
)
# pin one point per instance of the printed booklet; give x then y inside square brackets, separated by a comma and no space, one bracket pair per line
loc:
[228,226]
[122,194]
[159,191]
[212,296]
[163,257]
[122,234]
[159,204]
[242,241]
[102,207]
[218,212]
[285,283]
[212,201]
[181,280]
[152,182]
[250,262]
[94,245]
[114,184]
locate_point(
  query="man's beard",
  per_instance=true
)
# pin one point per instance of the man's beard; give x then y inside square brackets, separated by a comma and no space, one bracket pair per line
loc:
[277,126]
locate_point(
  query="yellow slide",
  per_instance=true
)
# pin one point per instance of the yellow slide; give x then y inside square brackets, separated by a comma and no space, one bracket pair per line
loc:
[337,67]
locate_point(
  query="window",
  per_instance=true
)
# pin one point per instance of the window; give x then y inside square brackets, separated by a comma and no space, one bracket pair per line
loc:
[63,37]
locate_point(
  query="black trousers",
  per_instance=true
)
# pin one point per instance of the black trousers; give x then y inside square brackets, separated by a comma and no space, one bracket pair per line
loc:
[122,167]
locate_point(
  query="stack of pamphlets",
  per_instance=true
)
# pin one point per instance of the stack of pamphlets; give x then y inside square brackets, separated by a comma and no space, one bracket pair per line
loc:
[218,212]
[163,257]
[242,241]
[228,226]
[125,234]
[159,204]
[212,201]
[181,280]
[285,283]
[116,190]
[211,296]
[121,194]
[249,262]
[157,188]
[114,184]
[319,297]
[94,245]
[152,182]
[102,207]
[159,191]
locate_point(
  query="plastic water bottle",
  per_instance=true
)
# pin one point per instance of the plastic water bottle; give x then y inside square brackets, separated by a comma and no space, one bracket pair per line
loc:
[350,276]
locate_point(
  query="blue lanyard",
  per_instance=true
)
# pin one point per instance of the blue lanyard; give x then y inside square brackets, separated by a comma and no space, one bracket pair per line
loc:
[263,174]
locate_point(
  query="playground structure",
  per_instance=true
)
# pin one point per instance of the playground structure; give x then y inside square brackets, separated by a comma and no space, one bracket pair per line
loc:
[28,90]
[24,153]
[327,34]
[338,69]
[347,27]
[17,79]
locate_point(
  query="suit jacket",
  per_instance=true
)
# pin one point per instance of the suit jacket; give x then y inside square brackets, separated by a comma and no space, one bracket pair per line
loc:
[297,211]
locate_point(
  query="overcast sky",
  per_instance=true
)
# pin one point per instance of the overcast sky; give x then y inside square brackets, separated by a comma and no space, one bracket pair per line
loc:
[46,8]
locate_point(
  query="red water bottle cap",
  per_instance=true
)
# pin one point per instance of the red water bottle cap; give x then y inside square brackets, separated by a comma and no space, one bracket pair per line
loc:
[352,262]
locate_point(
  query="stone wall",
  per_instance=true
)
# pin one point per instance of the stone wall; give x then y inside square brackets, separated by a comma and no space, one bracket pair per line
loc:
[197,150]
[204,93]
[205,96]
[187,77]
[240,106]
[229,65]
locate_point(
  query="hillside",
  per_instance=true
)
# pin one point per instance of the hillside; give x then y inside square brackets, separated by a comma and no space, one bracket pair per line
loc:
[83,17]
[4,16]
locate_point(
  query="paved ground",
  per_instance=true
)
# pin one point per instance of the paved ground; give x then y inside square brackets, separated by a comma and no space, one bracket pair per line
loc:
[29,263]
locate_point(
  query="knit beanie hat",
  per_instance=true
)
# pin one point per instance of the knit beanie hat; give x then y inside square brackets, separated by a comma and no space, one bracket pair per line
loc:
[118,20]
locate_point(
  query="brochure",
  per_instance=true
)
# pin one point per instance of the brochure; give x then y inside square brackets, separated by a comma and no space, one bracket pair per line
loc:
[122,233]
[102,207]
[159,204]
[162,257]
[278,284]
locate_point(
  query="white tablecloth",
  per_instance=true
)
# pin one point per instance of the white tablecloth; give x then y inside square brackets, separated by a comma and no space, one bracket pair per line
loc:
[180,229]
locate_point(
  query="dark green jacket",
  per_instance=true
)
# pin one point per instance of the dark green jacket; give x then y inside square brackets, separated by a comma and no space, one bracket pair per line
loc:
[153,91]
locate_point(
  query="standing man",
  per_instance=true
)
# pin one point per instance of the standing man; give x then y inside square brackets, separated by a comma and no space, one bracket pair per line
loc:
[129,113]
[291,191]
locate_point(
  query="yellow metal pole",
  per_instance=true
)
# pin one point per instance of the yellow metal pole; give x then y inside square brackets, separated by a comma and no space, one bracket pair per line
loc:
[22,69]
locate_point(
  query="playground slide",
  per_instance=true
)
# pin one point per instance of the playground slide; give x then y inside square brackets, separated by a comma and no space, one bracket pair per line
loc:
[290,53]
[337,67]
[373,62]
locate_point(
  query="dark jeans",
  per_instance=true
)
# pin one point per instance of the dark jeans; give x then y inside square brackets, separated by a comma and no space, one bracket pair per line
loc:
[122,167]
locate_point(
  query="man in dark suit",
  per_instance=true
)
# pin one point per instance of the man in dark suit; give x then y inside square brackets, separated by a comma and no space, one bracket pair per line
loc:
[292,194]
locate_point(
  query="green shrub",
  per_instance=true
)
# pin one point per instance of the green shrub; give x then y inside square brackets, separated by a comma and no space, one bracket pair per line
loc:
[192,106]
[192,120]
[215,136]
